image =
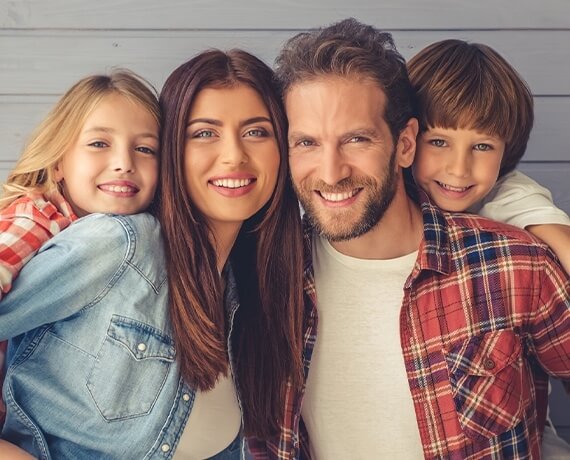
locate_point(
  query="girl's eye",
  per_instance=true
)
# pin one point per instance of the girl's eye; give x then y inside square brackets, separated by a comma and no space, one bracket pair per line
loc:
[483,147]
[256,132]
[98,144]
[146,150]
[437,142]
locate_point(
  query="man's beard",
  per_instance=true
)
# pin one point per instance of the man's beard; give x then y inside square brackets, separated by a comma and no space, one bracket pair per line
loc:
[379,200]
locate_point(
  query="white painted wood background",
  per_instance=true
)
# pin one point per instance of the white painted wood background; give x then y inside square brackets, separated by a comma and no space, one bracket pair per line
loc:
[46,45]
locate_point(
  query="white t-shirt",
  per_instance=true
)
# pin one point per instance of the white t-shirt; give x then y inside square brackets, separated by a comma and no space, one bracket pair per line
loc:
[358,403]
[518,200]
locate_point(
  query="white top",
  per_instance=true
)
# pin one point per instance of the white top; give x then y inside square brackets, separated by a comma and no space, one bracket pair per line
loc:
[518,200]
[213,424]
[358,403]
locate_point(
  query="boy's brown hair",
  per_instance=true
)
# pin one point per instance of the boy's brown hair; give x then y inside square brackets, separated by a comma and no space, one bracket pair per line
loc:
[469,85]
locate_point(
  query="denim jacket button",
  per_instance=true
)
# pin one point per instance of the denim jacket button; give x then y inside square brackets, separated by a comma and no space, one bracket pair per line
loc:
[141,347]
[186,397]
[165,447]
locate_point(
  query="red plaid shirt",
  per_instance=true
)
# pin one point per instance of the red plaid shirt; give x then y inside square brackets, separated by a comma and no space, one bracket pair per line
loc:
[25,225]
[486,317]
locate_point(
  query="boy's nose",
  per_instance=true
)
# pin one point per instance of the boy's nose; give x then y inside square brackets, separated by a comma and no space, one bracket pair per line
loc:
[459,165]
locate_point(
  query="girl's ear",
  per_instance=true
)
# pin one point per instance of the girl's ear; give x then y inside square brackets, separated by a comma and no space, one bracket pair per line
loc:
[58,172]
[406,149]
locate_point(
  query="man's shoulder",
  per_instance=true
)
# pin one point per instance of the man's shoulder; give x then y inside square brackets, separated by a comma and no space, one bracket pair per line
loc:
[462,225]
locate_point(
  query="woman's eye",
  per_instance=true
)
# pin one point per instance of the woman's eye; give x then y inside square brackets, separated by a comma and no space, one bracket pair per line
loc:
[98,144]
[483,147]
[146,150]
[256,132]
[437,142]
[204,133]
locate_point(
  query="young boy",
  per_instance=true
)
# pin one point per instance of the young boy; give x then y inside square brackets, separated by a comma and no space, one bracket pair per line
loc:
[475,115]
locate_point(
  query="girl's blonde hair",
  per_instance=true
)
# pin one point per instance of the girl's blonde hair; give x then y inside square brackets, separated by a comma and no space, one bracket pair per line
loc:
[35,170]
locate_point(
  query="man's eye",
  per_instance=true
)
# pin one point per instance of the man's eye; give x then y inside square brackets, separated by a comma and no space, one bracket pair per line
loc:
[483,147]
[355,139]
[305,143]
[437,142]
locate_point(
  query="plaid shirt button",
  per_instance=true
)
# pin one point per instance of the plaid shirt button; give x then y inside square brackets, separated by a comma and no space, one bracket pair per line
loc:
[489,364]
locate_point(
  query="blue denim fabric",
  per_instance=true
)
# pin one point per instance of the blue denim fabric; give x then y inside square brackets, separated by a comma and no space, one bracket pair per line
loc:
[232,452]
[92,371]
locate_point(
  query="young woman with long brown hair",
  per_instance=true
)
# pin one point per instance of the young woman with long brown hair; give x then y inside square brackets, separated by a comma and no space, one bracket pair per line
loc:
[117,365]
[231,223]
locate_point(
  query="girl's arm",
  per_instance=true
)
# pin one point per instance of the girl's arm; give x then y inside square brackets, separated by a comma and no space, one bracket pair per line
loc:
[69,272]
[12,452]
[25,225]
[557,237]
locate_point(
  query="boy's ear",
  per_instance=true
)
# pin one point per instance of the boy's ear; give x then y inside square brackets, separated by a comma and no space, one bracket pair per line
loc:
[406,148]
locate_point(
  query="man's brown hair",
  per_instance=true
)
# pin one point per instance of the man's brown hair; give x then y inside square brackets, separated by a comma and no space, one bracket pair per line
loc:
[350,49]
[471,86]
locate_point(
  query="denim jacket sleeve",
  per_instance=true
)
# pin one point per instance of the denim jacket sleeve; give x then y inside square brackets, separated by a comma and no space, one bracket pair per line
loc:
[71,272]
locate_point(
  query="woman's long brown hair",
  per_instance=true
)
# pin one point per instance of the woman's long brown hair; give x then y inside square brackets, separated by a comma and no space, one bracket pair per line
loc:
[266,258]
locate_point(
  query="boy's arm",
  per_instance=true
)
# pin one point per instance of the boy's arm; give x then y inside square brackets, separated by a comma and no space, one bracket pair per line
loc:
[518,200]
[557,237]
[25,225]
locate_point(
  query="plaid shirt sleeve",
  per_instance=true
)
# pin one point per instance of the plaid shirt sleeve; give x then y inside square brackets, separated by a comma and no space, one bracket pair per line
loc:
[25,225]
[550,323]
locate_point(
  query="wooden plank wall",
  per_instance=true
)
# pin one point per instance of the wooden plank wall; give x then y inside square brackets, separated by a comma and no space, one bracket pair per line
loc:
[46,45]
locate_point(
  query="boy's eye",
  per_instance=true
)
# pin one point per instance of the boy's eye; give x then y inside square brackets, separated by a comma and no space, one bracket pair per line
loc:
[98,144]
[483,147]
[146,150]
[437,142]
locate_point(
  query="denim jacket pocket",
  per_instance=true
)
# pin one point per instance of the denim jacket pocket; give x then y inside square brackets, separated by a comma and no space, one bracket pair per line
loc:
[488,383]
[130,369]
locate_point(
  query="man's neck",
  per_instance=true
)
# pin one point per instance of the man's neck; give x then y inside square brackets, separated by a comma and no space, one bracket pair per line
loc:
[398,233]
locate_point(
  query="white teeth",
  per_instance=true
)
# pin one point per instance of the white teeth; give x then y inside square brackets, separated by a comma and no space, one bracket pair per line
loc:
[118,188]
[232,183]
[338,196]
[452,188]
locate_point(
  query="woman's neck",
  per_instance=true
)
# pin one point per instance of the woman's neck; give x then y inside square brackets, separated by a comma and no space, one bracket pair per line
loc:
[224,236]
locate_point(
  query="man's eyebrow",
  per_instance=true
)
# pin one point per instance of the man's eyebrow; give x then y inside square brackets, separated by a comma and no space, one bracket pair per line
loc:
[297,135]
[364,132]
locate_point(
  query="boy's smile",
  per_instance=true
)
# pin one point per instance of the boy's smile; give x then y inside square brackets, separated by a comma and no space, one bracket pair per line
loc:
[457,167]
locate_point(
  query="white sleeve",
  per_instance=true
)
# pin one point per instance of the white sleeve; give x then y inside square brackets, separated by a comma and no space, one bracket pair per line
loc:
[518,200]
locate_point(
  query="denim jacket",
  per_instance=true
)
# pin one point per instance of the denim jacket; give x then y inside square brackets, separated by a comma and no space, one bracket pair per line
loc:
[92,370]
